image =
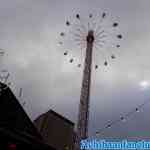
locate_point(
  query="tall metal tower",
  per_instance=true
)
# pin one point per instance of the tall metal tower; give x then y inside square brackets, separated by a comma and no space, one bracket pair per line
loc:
[89,35]
[82,125]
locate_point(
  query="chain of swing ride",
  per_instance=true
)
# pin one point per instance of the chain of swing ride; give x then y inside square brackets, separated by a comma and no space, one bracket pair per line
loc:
[99,35]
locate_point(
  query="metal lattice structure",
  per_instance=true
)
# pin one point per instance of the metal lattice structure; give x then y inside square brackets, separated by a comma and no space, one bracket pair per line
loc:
[5,78]
[4,74]
[89,35]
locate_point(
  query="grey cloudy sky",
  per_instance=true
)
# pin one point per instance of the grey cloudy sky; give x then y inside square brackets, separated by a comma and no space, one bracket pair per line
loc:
[29,31]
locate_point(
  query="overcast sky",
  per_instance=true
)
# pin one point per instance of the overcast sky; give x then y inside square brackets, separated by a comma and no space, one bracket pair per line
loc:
[29,33]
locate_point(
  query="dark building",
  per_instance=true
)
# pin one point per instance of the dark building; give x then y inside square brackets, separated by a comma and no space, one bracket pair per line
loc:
[56,130]
[16,129]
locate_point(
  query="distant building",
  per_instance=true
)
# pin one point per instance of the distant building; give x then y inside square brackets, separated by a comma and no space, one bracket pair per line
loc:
[16,129]
[56,130]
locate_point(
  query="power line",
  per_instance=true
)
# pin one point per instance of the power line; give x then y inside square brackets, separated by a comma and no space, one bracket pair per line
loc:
[123,118]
